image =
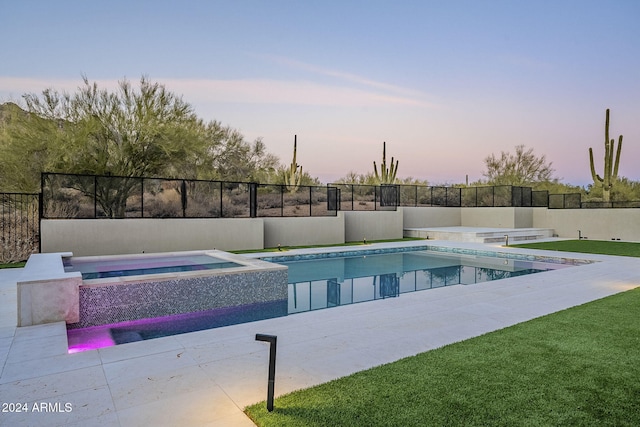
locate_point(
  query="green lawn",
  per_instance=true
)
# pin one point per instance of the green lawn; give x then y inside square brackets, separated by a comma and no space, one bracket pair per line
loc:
[14,265]
[580,366]
[588,246]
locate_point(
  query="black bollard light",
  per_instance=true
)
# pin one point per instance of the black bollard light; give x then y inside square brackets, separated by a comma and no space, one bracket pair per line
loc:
[272,340]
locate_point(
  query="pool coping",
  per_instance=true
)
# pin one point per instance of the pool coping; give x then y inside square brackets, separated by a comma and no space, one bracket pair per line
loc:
[451,248]
[246,266]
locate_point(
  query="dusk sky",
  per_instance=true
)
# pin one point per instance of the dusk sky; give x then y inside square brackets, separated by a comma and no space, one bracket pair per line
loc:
[444,83]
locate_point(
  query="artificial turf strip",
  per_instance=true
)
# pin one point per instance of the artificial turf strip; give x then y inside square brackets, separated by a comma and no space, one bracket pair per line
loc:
[588,246]
[580,366]
[13,265]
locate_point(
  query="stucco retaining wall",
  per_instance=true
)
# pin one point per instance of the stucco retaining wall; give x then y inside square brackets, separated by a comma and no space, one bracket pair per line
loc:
[85,237]
[503,217]
[372,225]
[595,224]
[304,231]
[423,217]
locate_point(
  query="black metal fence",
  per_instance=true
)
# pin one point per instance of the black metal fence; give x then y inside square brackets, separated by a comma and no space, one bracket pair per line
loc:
[19,226]
[94,196]
[355,197]
[494,196]
[370,197]
[540,199]
[565,201]
[604,205]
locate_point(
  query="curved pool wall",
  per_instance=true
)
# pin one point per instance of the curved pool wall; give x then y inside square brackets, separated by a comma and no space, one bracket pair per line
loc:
[110,300]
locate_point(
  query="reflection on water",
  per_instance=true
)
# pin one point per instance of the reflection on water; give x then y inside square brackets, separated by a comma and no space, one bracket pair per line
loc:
[316,294]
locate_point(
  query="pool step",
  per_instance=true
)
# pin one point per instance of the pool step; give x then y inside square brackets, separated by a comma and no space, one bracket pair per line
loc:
[479,235]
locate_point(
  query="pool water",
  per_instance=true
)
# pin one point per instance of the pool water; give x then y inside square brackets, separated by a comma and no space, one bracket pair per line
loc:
[98,269]
[324,283]
[145,329]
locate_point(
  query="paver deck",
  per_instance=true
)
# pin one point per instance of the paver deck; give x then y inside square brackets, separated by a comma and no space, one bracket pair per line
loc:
[206,378]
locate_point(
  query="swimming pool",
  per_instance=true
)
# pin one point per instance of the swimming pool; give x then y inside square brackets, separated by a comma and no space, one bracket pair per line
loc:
[330,279]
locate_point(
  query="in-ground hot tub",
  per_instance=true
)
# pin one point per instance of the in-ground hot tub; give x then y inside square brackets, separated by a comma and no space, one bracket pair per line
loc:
[101,267]
[129,287]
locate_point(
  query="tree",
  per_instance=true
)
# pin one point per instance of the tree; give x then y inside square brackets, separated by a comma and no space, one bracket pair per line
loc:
[130,132]
[127,133]
[521,168]
[370,179]
[21,158]
[234,159]
[357,178]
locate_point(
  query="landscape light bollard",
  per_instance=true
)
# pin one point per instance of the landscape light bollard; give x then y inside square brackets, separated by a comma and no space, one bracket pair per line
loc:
[506,240]
[271,339]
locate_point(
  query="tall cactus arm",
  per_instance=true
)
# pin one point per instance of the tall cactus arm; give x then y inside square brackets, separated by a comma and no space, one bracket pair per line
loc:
[615,168]
[594,175]
[293,177]
[608,156]
[393,171]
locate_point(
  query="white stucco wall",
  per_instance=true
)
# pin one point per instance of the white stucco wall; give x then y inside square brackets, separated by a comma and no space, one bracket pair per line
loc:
[506,217]
[86,237]
[523,217]
[372,225]
[424,217]
[304,231]
[595,224]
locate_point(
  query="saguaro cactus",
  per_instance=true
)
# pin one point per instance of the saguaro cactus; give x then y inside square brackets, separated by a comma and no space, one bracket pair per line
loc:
[293,176]
[387,175]
[610,166]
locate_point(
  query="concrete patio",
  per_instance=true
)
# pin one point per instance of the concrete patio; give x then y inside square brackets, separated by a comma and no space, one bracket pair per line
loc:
[206,378]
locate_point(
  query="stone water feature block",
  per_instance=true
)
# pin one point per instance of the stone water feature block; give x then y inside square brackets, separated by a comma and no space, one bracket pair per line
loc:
[46,293]
[47,301]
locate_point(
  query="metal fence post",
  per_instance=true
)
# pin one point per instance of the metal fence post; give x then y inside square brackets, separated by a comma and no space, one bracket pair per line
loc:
[253,200]
[221,207]
[141,197]
[95,198]
[282,187]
